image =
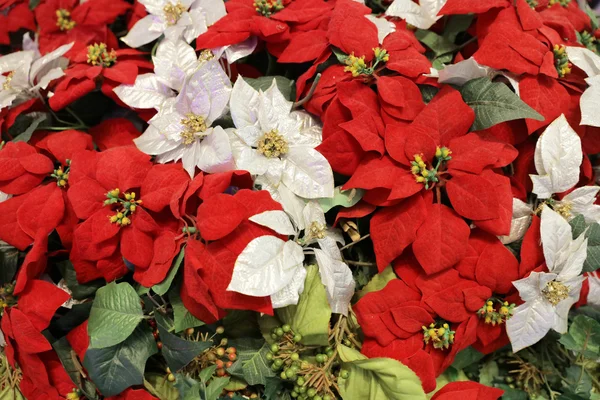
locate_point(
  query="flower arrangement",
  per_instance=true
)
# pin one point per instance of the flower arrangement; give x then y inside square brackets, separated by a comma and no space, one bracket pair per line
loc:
[299,199]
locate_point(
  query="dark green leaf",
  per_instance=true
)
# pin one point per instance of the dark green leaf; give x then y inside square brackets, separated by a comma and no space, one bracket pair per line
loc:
[580,383]
[339,54]
[457,24]
[378,282]
[34,120]
[114,369]
[494,103]
[33,4]
[68,358]
[207,373]
[344,198]
[273,387]
[466,357]
[251,363]
[162,288]
[9,260]
[438,44]
[592,14]
[583,336]
[578,225]
[215,387]
[428,92]
[592,261]
[286,86]
[115,314]
[177,352]
[165,389]
[188,388]
[593,234]
[241,323]
[79,291]
[182,316]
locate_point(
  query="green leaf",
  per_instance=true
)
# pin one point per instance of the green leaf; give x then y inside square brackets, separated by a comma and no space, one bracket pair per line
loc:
[79,291]
[68,358]
[8,393]
[592,261]
[252,364]
[207,373]
[165,389]
[33,121]
[488,372]
[466,357]
[9,260]
[215,387]
[286,86]
[114,369]
[177,352]
[377,378]
[273,389]
[33,4]
[583,337]
[457,24]
[344,198]
[428,92]
[310,317]
[494,103]
[236,384]
[182,316]
[339,54]
[579,381]
[378,282]
[115,314]
[578,225]
[593,234]
[162,288]
[438,44]
[241,323]
[592,14]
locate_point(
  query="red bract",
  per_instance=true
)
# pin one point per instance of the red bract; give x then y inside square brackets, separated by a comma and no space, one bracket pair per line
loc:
[105,193]
[467,391]
[97,65]
[66,21]
[14,15]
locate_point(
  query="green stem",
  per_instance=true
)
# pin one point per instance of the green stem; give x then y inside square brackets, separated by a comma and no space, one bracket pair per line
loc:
[76,117]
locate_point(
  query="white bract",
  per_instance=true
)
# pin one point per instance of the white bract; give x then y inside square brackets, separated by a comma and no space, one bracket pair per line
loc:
[589,102]
[277,144]
[521,220]
[182,128]
[24,73]
[593,297]
[384,27]
[269,266]
[422,16]
[558,156]
[548,296]
[176,19]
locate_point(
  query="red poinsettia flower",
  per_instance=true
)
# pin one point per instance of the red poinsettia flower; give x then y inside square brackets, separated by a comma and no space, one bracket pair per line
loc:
[398,323]
[467,391]
[98,65]
[66,21]
[40,178]
[14,16]
[22,325]
[222,223]
[107,191]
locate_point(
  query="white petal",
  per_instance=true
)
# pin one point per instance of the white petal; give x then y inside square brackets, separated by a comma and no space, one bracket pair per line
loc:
[215,152]
[313,213]
[153,143]
[292,204]
[582,201]
[213,81]
[463,71]
[422,16]
[338,281]
[530,288]
[144,31]
[274,109]
[307,173]
[384,27]
[290,294]
[148,91]
[174,60]
[265,266]
[530,323]
[43,65]
[155,7]
[558,157]
[585,59]
[213,10]
[238,51]
[589,103]
[276,220]
[561,318]
[593,297]
[244,104]
[556,237]
[572,263]
[48,77]
[520,221]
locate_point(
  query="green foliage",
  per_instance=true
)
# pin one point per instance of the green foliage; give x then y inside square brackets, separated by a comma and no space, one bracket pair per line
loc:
[578,225]
[79,291]
[177,352]
[466,358]
[583,337]
[66,355]
[251,363]
[310,317]
[26,124]
[286,86]
[377,378]
[162,288]
[344,198]
[9,259]
[182,316]
[115,314]
[592,262]
[114,369]
[378,282]
[494,103]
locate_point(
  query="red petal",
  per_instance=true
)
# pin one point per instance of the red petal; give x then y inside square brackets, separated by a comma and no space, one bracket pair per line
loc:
[122,72]
[305,46]
[63,145]
[350,31]
[161,183]
[86,196]
[29,339]
[114,132]
[467,391]
[471,6]
[42,211]
[10,230]
[137,247]
[78,339]
[122,167]
[35,262]
[472,197]
[532,255]
[41,312]
[219,215]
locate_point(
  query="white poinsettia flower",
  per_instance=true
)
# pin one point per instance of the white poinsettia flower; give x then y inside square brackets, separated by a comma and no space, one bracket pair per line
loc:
[384,27]
[422,15]
[234,52]
[24,73]
[521,220]
[182,129]
[589,102]
[272,141]
[548,296]
[176,19]
[336,276]
[558,156]
[579,202]
[593,297]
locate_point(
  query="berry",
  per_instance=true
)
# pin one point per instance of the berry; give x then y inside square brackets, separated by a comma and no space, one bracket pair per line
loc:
[283,375]
[168,370]
[344,374]
[329,353]
[155,334]
[189,331]
[297,337]
[279,332]
[320,358]
[294,394]
[171,378]
[232,356]
[311,392]
[211,357]
[286,328]
[274,348]
[317,397]
[303,389]
[220,330]
[269,356]
[230,350]
[219,364]
[220,351]
[327,397]
[159,345]
[278,362]
[220,372]
[274,367]
[274,336]
[294,356]
[300,381]
[229,364]
[289,373]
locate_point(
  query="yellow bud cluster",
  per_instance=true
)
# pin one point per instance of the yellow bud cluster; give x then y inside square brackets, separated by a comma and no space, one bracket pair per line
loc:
[441,336]
[194,128]
[272,144]
[63,20]
[496,317]
[266,8]
[173,12]
[98,54]
[561,60]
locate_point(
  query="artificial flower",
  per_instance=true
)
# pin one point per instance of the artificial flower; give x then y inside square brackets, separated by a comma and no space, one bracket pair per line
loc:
[422,15]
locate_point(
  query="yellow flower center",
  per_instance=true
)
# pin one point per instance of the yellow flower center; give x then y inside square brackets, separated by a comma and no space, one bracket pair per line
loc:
[194,128]
[272,144]
[317,230]
[61,176]
[561,60]
[555,292]
[173,12]
[206,55]
[6,85]
[564,209]
[126,206]
[564,3]
[98,54]
[63,20]
[495,311]
[267,8]
[440,335]
[357,65]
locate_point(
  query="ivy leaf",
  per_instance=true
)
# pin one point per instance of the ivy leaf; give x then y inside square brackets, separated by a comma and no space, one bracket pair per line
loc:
[579,382]
[252,365]
[114,369]
[162,288]
[583,336]
[466,357]
[494,103]
[578,225]
[378,282]
[377,378]
[310,317]
[344,198]
[215,387]
[9,259]
[188,388]
[183,318]
[79,291]
[438,44]
[592,261]
[115,314]
[177,352]
[286,86]
[165,389]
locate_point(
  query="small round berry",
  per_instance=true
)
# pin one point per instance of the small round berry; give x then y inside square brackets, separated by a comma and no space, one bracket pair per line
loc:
[274,348]
[211,356]
[311,392]
[220,372]
[300,381]
[283,375]
[329,353]
[168,370]
[230,350]
[289,373]
[320,358]
[220,330]
[159,345]
[297,337]
[274,336]
[294,394]
[274,367]
[344,374]
[327,397]
[228,364]
[220,351]
[279,332]
[302,389]
[286,328]
[219,364]
[189,331]
[232,356]
[317,397]
[269,356]
[155,334]
[171,378]
[278,362]
[295,356]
